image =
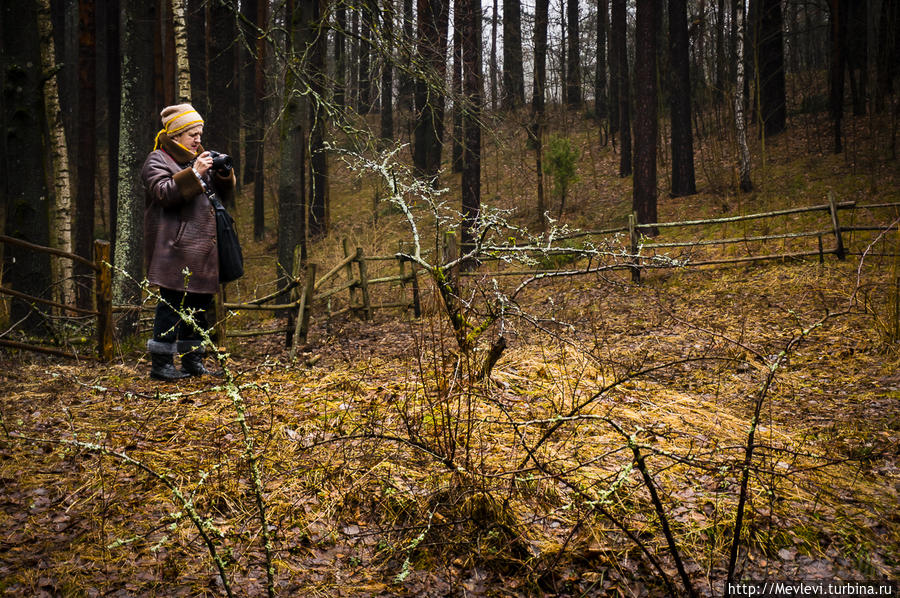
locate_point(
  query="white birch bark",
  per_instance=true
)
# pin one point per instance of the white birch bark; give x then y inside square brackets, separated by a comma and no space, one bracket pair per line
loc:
[61,215]
[182,66]
[740,121]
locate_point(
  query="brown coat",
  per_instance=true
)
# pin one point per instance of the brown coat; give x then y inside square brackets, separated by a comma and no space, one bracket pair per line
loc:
[179,222]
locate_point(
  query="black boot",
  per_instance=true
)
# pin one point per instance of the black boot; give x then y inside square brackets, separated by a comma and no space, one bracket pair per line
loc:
[192,354]
[162,357]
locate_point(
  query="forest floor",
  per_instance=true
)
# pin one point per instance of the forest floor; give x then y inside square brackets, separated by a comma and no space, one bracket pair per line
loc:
[384,471]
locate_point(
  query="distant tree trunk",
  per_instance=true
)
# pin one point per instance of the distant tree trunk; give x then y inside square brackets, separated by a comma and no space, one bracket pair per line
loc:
[165,65]
[114,99]
[739,119]
[857,55]
[318,158]
[406,83]
[137,128]
[247,66]
[645,126]
[456,82]
[196,19]
[771,67]
[573,71]
[541,18]
[839,12]
[721,58]
[601,107]
[886,59]
[613,77]
[472,92]
[222,128]
[619,27]
[367,31]
[683,181]
[61,208]
[86,156]
[24,190]
[493,63]
[513,74]
[429,97]
[256,145]
[340,56]
[353,95]
[387,71]
[292,204]
[182,65]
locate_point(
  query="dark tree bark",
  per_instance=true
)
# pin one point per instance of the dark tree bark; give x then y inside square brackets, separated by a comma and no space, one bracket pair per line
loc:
[472,92]
[857,55]
[493,60]
[367,30]
[138,124]
[721,58]
[86,154]
[771,67]
[196,19]
[406,84]
[292,198]
[513,74]
[433,17]
[886,57]
[340,56]
[318,158]
[114,99]
[248,62]
[222,129]
[256,145]
[683,180]
[353,93]
[644,182]
[24,189]
[387,71]
[613,77]
[839,12]
[619,28]
[573,66]
[601,105]
[541,19]
[456,82]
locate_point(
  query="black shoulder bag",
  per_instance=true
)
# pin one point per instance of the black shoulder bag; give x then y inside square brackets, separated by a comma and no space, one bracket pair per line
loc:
[231,257]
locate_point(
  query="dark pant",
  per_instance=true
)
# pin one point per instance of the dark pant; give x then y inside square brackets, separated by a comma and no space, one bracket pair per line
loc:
[168,327]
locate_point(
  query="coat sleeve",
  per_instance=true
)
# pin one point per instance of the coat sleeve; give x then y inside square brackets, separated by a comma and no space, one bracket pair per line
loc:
[169,189]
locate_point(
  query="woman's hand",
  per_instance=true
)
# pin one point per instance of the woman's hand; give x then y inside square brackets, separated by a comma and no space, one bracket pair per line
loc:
[203,163]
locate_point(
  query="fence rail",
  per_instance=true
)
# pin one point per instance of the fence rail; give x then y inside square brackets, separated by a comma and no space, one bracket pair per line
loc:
[350,275]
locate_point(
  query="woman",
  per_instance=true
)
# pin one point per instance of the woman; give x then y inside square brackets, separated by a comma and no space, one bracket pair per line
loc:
[180,240]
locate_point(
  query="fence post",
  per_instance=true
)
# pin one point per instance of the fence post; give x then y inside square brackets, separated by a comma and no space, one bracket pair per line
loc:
[633,240]
[103,292]
[364,283]
[349,271]
[301,328]
[839,250]
[295,295]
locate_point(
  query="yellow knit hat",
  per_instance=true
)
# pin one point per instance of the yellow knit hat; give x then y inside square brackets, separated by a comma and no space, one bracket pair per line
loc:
[176,119]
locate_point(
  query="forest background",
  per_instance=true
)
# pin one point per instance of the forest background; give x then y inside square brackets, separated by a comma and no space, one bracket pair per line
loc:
[566,433]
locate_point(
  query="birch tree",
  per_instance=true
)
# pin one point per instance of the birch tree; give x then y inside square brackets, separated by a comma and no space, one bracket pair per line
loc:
[740,122]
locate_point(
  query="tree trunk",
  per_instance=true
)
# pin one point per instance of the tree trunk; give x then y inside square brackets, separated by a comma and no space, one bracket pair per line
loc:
[222,129]
[493,64]
[114,100]
[318,158]
[683,180]
[857,55]
[887,32]
[136,134]
[353,95]
[645,125]
[601,106]
[256,145]
[432,50]
[86,155]
[387,72]
[771,68]
[573,70]
[197,54]
[182,65]
[721,58]
[541,18]
[292,205]
[513,74]
[740,122]
[472,92]
[839,11]
[619,28]
[61,208]
[613,77]
[406,83]
[367,31]
[340,57]
[456,81]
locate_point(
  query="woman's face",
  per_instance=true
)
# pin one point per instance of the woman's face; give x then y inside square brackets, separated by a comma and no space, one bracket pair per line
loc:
[190,138]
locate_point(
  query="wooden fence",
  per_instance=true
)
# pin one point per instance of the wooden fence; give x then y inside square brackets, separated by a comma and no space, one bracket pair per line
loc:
[102,294]
[351,274]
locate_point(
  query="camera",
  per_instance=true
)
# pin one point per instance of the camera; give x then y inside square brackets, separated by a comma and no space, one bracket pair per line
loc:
[222,163]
